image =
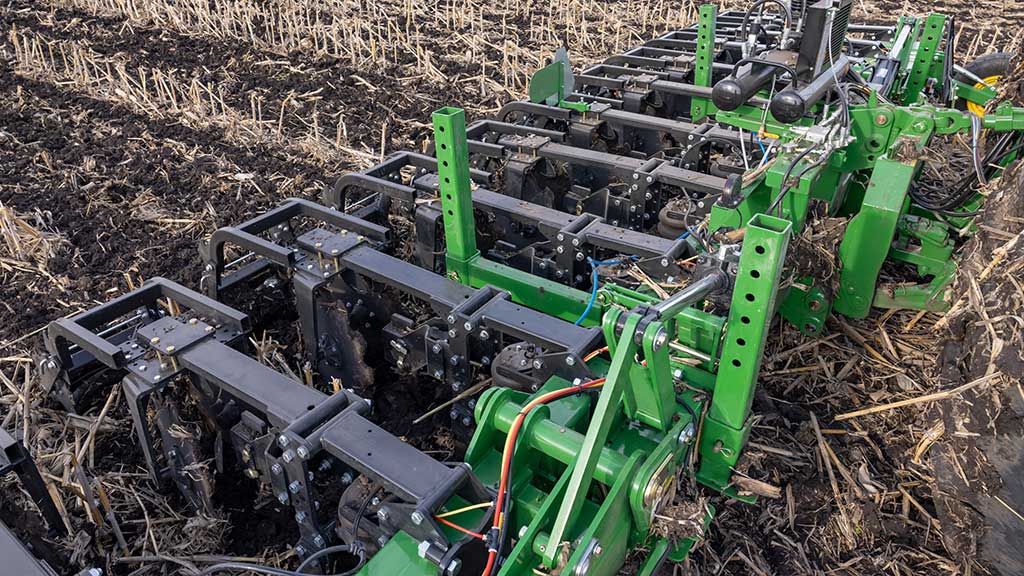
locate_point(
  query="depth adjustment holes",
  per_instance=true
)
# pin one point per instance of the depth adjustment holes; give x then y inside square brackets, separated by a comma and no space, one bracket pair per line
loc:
[759,249]
[755,274]
[750,297]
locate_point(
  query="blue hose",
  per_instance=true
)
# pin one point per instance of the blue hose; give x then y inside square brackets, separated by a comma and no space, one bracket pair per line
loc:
[594,284]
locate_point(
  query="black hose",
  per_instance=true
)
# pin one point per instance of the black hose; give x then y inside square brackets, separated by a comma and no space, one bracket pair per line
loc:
[760,4]
[785,178]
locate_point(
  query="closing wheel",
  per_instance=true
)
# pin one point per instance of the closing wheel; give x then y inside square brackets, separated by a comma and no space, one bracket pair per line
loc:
[990,68]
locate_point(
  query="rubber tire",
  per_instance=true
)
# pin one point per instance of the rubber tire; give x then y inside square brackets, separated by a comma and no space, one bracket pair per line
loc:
[994,64]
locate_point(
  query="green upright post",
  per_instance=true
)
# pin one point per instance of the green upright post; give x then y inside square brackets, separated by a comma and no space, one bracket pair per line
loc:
[928,44]
[869,235]
[700,108]
[456,191]
[726,427]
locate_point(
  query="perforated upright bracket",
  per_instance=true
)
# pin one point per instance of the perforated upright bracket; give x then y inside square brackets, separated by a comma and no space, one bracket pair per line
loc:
[707,18]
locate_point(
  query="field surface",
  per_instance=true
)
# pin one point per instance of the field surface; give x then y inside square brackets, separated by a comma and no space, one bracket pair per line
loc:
[131,129]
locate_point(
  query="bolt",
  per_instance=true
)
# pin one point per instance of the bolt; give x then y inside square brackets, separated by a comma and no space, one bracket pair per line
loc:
[575,241]
[416,517]
[282,497]
[252,473]
[318,540]
[598,550]
[294,487]
[453,414]
[687,434]
[142,367]
[881,119]
[660,338]
[664,262]
[560,249]
[580,256]
[677,374]
[560,236]
[648,196]
[302,452]
[346,478]
[636,176]
[156,378]
[300,516]
[382,541]
[650,179]
[451,318]
[522,531]
[466,420]
[484,335]
[569,360]
[283,441]
[300,550]
[538,364]
[439,374]
[382,514]
[288,456]
[454,567]
[452,333]
[154,340]
[454,360]
[468,326]
[275,469]
[632,209]
[436,349]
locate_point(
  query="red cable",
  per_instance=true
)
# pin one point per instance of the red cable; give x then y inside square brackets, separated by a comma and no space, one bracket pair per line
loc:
[459,528]
[510,442]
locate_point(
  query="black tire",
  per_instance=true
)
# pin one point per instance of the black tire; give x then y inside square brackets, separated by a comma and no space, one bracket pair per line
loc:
[994,64]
